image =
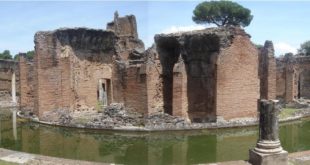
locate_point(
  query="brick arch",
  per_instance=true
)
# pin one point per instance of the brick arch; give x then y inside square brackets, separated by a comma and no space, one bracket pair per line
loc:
[169,53]
[303,86]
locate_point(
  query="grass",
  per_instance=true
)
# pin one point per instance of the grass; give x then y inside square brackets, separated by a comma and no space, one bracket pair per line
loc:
[6,163]
[287,112]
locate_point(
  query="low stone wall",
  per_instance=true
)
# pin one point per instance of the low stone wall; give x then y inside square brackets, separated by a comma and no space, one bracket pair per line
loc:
[116,117]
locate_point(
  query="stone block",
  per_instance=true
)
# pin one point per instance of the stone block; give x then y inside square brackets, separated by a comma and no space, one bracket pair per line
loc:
[257,158]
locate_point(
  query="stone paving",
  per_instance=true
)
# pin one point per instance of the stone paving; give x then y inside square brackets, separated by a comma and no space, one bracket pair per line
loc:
[33,159]
[299,158]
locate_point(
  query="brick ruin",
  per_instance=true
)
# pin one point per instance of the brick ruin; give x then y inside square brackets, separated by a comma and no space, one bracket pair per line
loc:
[202,75]
[27,83]
[8,70]
[293,77]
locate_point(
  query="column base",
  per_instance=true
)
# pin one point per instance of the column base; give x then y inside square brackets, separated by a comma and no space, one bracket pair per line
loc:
[257,158]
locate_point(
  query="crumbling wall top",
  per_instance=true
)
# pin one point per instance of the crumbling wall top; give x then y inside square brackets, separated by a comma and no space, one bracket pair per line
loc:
[268,49]
[124,26]
[93,40]
[220,37]
[8,64]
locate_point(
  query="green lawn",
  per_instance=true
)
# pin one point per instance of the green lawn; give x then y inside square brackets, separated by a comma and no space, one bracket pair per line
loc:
[287,112]
[6,163]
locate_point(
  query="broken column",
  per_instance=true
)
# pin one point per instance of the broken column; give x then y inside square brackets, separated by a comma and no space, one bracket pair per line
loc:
[13,87]
[268,149]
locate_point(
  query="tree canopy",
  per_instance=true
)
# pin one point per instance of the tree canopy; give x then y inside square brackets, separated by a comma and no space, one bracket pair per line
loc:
[305,48]
[6,55]
[222,13]
[30,54]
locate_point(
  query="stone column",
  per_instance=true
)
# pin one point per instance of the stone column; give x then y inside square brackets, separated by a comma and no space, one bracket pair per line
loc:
[13,87]
[105,93]
[268,150]
[100,88]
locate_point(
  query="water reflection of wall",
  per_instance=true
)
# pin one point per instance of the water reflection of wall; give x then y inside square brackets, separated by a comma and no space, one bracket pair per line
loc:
[113,148]
[236,145]
[289,137]
[150,148]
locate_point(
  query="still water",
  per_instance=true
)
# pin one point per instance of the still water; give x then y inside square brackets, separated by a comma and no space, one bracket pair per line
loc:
[191,147]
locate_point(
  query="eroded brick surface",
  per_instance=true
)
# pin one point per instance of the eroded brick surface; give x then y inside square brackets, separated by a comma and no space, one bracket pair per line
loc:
[201,75]
[293,77]
[7,67]
[27,83]
[220,77]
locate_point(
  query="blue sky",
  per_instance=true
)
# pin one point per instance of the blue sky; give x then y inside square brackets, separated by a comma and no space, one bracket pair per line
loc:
[286,23]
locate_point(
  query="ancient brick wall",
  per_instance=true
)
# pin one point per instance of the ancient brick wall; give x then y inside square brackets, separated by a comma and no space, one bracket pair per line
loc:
[153,81]
[280,79]
[124,26]
[85,76]
[267,71]
[51,74]
[286,84]
[69,64]
[168,50]
[304,84]
[209,73]
[293,77]
[200,54]
[27,83]
[154,88]
[302,77]
[5,78]
[135,96]
[6,70]
[237,79]
[179,91]
[126,29]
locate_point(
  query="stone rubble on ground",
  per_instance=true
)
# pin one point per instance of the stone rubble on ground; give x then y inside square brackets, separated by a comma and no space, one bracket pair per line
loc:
[117,116]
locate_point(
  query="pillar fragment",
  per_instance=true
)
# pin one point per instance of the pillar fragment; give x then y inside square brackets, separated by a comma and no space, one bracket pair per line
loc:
[268,150]
[13,87]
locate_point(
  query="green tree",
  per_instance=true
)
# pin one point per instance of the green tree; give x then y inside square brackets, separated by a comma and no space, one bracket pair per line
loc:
[16,57]
[222,13]
[259,46]
[305,48]
[6,55]
[29,55]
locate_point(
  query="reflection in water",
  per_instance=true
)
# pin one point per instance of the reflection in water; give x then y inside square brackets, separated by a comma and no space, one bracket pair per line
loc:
[192,147]
[14,124]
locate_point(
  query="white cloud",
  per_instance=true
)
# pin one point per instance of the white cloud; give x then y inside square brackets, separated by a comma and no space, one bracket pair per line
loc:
[176,29]
[282,48]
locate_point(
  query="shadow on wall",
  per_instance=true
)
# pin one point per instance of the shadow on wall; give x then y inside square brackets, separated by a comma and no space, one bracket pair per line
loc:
[198,53]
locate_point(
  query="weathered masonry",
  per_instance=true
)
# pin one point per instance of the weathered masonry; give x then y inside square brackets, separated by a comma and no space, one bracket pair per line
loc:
[85,69]
[216,73]
[9,78]
[210,73]
[27,83]
[79,69]
[293,77]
